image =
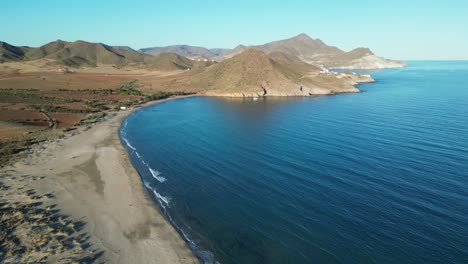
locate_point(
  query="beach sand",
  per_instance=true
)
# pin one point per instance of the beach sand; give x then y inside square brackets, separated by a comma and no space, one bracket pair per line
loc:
[81,199]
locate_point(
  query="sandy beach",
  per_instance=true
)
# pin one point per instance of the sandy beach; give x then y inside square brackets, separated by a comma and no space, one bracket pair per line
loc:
[79,199]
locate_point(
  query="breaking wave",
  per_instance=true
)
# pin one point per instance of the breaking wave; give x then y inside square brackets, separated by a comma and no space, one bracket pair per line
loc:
[163,200]
[128,143]
[157,175]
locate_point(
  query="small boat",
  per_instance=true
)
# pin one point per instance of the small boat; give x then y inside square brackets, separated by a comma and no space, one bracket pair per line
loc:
[255,98]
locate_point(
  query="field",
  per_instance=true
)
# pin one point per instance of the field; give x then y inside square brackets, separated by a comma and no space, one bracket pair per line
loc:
[38,102]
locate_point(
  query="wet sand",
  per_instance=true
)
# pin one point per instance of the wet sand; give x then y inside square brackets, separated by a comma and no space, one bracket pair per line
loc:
[83,199]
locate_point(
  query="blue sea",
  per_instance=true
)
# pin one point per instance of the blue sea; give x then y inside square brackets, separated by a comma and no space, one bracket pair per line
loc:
[375,177]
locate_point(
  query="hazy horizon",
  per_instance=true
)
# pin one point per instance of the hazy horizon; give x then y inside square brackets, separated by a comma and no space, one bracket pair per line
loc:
[417,30]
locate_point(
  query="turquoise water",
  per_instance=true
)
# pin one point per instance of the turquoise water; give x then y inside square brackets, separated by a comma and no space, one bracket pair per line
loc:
[375,177]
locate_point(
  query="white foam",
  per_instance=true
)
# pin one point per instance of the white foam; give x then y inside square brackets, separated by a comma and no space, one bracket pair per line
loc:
[187,238]
[147,185]
[157,175]
[128,143]
[141,159]
[163,199]
[139,156]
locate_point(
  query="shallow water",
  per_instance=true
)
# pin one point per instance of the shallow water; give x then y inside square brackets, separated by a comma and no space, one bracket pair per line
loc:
[375,177]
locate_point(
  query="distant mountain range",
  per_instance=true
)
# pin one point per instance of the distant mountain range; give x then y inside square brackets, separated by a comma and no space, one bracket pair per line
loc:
[291,67]
[187,51]
[301,47]
[82,53]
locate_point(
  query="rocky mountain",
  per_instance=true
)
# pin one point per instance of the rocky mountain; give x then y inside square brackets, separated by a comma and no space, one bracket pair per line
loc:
[301,47]
[124,48]
[81,53]
[10,53]
[361,58]
[170,62]
[316,52]
[186,51]
[253,73]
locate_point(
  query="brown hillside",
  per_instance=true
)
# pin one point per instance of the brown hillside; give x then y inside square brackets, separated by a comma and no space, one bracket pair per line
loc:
[253,73]
[315,51]
[10,53]
[81,53]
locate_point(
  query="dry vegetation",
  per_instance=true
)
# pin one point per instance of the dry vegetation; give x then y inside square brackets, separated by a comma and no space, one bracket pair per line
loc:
[54,88]
[34,230]
[37,103]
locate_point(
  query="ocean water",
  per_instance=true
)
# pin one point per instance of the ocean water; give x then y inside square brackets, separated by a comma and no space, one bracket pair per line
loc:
[375,177]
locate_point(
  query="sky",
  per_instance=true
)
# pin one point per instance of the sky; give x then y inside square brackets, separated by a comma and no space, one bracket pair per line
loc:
[398,29]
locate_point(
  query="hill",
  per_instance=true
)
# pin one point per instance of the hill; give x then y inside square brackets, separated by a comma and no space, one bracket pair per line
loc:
[170,62]
[124,48]
[87,54]
[315,51]
[10,53]
[254,73]
[186,51]
[361,58]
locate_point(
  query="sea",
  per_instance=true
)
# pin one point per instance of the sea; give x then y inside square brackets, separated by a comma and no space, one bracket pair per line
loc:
[374,177]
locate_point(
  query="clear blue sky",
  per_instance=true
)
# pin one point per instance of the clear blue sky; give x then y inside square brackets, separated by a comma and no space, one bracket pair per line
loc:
[397,29]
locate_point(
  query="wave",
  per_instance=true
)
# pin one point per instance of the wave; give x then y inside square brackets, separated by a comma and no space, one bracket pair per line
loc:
[147,185]
[141,159]
[157,175]
[163,199]
[206,256]
[128,144]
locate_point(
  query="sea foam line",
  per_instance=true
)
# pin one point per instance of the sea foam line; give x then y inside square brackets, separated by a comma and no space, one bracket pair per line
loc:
[128,143]
[163,200]
[157,175]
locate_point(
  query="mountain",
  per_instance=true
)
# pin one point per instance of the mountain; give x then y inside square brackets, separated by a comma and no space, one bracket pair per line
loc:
[301,47]
[127,48]
[10,53]
[361,58]
[81,53]
[186,51]
[316,52]
[170,62]
[254,73]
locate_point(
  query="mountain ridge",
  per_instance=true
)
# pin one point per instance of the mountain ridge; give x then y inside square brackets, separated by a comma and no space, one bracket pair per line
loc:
[194,52]
[302,46]
[88,54]
[316,52]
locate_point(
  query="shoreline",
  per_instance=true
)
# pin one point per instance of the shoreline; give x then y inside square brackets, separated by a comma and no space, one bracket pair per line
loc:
[88,177]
